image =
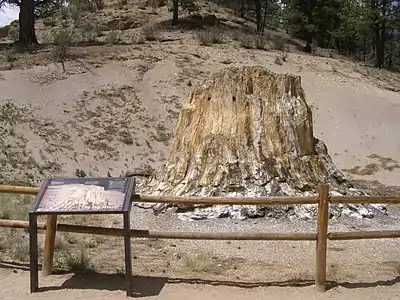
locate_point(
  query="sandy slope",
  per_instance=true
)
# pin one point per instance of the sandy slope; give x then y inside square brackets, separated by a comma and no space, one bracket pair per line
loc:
[119,91]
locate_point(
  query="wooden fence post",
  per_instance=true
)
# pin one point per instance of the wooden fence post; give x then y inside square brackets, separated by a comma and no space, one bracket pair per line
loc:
[322,237]
[49,242]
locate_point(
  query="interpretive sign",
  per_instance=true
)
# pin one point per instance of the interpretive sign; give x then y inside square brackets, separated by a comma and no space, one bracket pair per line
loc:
[66,196]
[83,195]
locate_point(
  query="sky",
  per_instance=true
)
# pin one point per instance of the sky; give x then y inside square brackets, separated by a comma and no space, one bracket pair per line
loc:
[8,14]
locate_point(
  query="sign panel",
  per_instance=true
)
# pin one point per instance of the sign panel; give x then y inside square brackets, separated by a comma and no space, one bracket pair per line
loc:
[83,195]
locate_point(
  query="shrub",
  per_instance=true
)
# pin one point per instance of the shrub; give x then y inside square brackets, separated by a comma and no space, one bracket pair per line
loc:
[13,33]
[89,31]
[138,39]
[247,41]
[112,37]
[211,35]
[75,13]
[279,43]
[87,5]
[63,40]
[260,42]
[64,11]
[278,60]
[11,55]
[151,31]
[122,3]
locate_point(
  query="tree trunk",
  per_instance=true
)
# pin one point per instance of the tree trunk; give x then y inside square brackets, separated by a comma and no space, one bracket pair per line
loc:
[307,48]
[242,8]
[264,20]
[245,131]
[27,35]
[380,32]
[257,4]
[309,34]
[175,12]
[364,49]
[380,45]
[250,133]
[390,53]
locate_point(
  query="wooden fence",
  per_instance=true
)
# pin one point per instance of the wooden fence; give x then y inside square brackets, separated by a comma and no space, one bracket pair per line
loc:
[321,236]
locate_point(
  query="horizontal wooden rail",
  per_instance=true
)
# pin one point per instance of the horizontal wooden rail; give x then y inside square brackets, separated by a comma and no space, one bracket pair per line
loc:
[365,199]
[168,234]
[351,235]
[226,200]
[280,200]
[22,190]
[364,235]
[190,200]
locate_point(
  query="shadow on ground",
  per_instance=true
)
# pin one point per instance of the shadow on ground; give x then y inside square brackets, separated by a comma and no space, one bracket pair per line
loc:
[152,286]
[144,286]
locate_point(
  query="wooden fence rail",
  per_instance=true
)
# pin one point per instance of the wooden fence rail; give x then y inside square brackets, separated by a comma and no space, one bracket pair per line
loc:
[281,200]
[321,236]
[238,236]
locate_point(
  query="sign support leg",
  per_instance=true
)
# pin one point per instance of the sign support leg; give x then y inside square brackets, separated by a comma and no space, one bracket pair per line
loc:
[49,242]
[128,253]
[33,247]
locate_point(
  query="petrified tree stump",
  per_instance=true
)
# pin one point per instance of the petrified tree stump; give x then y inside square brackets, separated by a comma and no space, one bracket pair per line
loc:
[246,131]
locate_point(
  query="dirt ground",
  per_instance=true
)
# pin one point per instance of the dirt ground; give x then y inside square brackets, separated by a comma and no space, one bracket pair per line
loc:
[105,287]
[114,111]
[87,266]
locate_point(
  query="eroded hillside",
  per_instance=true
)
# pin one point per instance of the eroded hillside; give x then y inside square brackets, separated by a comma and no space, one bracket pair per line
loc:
[128,72]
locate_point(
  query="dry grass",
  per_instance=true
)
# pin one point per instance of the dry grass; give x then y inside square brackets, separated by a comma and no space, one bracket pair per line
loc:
[79,262]
[384,163]
[382,78]
[108,124]
[197,263]
[19,166]
[71,250]
[367,170]
[15,207]
[14,243]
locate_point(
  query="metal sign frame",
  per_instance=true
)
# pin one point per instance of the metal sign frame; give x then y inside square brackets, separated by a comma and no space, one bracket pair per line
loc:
[124,208]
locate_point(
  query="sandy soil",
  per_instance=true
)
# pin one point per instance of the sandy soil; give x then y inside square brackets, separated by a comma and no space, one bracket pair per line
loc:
[124,111]
[156,288]
[115,109]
